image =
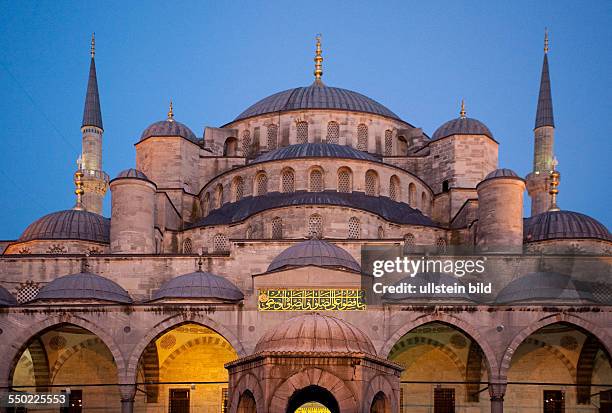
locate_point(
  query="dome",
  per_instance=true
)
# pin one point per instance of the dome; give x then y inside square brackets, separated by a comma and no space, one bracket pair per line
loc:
[314,252]
[315,333]
[84,286]
[315,150]
[316,96]
[502,173]
[6,298]
[169,127]
[563,225]
[545,286]
[132,173]
[69,224]
[199,284]
[462,126]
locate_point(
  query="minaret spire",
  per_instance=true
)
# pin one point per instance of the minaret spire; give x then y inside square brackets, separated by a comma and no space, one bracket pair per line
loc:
[462,113]
[170,113]
[318,72]
[91,181]
[544,113]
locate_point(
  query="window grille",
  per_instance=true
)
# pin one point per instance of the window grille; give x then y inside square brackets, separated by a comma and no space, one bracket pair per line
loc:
[220,243]
[381,232]
[262,184]
[238,188]
[315,226]
[362,137]
[333,132]
[412,195]
[316,181]
[302,132]
[57,249]
[394,188]
[277,228]
[272,136]
[288,181]
[371,183]
[246,143]
[354,228]
[388,142]
[27,292]
[344,181]
[441,245]
[187,246]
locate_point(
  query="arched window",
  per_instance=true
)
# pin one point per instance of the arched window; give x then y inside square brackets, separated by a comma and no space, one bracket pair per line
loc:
[388,142]
[261,184]
[371,183]
[219,196]
[272,136]
[362,137]
[316,181]
[206,204]
[409,242]
[381,232]
[220,243]
[238,188]
[249,232]
[287,181]
[187,246]
[412,195]
[441,245]
[424,203]
[302,132]
[354,228]
[277,228]
[315,226]
[394,188]
[230,147]
[345,180]
[333,132]
[246,143]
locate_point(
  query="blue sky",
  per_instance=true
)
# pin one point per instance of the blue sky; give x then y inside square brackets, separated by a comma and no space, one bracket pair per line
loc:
[217,58]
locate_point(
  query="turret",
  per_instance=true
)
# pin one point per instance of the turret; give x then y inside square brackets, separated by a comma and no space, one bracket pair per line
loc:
[544,133]
[95,180]
[133,213]
[500,212]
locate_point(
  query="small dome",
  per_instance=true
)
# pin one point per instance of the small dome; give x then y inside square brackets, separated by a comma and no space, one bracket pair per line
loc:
[169,128]
[199,284]
[501,173]
[314,252]
[315,150]
[6,298]
[132,173]
[462,126]
[545,286]
[69,224]
[315,333]
[563,225]
[84,286]
[316,96]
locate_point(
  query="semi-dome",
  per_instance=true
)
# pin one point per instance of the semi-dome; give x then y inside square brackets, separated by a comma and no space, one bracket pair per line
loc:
[462,126]
[314,252]
[69,224]
[545,286]
[501,173]
[84,286]
[199,285]
[563,225]
[132,173]
[169,127]
[315,333]
[316,96]
[315,150]
[6,298]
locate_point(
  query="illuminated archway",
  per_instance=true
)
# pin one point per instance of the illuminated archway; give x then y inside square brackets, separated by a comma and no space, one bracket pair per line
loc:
[312,399]
[185,365]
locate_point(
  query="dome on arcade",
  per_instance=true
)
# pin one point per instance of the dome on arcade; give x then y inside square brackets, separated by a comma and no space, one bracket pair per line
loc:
[199,285]
[501,173]
[132,173]
[69,224]
[315,333]
[316,96]
[84,286]
[315,150]
[462,126]
[563,225]
[314,252]
[169,127]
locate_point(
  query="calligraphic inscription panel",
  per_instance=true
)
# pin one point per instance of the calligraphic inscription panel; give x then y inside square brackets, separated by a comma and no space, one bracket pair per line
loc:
[311,300]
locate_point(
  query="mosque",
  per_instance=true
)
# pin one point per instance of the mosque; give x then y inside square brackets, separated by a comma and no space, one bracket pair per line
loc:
[228,275]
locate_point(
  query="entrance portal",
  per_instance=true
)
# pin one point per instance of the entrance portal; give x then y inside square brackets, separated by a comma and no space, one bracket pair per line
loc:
[312,399]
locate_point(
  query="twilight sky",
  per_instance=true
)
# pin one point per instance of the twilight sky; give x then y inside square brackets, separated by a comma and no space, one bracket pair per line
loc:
[217,58]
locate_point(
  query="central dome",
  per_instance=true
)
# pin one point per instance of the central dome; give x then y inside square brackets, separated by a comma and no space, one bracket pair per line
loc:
[316,96]
[315,333]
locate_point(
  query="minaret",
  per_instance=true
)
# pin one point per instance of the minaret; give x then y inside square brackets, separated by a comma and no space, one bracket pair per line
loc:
[94,179]
[543,154]
[318,72]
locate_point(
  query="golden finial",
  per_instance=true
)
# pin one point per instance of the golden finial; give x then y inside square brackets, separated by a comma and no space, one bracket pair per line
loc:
[318,60]
[462,113]
[554,185]
[170,113]
[79,191]
[545,40]
[93,45]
